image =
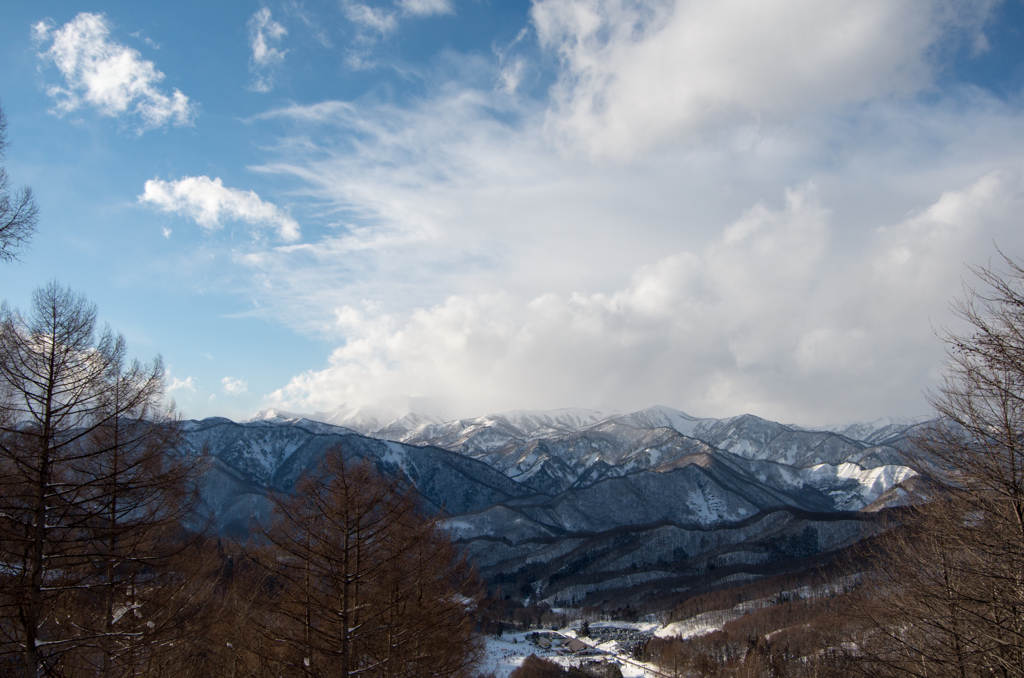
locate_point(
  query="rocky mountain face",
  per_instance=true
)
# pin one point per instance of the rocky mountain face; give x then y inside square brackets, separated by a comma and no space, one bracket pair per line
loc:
[575,506]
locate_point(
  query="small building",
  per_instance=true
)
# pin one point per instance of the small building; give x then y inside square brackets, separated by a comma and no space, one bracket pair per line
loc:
[575,645]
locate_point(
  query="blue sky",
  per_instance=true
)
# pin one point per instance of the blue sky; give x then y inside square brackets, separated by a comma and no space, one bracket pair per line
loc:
[463,206]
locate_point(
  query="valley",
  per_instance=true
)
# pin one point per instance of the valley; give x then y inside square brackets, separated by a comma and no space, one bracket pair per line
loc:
[582,508]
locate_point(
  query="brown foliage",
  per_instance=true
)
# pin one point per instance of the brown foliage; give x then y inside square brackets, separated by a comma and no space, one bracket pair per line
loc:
[536,667]
[90,497]
[947,598]
[100,577]
[367,585]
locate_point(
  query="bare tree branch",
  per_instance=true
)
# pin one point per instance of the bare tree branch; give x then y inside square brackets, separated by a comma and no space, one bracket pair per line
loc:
[18,211]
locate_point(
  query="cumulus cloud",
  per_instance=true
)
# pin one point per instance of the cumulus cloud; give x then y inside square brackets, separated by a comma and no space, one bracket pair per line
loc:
[234,386]
[207,201]
[468,259]
[264,36]
[770,317]
[109,76]
[441,199]
[177,384]
[636,75]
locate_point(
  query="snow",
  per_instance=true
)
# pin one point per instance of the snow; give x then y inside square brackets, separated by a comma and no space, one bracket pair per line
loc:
[504,655]
[571,418]
[708,622]
[273,414]
[395,454]
[705,623]
[873,482]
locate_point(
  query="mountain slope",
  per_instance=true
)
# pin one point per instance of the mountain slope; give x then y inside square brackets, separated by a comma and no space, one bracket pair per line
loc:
[572,504]
[247,461]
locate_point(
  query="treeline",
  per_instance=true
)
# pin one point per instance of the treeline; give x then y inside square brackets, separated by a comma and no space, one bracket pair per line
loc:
[538,667]
[794,638]
[104,570]
[940,592]
[500,612]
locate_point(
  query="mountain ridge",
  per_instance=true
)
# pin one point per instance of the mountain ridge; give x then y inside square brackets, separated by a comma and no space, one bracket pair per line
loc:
[565,501]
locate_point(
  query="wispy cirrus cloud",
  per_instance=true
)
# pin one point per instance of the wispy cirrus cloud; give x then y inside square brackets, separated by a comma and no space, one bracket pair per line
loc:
[107,75]
[379,20]
[426,7]
[207,202]
[264,38]
[375,23]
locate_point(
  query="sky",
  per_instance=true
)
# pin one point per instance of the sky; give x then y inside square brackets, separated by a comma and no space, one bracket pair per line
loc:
[469,206]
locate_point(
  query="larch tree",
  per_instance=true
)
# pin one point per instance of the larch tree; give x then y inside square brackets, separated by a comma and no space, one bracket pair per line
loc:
[947,598]
[139,496]
[89,492]
[369,587]
[18,211]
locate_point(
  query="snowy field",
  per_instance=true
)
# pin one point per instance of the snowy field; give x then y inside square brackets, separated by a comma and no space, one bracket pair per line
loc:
[506,654]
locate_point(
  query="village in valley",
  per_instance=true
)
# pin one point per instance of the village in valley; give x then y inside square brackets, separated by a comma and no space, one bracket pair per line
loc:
[607,649]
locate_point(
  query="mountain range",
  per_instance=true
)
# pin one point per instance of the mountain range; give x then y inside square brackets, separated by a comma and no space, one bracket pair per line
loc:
[577,506]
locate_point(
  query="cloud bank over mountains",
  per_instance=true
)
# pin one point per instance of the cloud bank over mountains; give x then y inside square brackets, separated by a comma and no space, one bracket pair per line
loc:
[586,255]
[771,317]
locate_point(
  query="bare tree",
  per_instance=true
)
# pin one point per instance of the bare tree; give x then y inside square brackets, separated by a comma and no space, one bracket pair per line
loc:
[231,645]
[369,587]
[18,211]
[948,597]
[89,495]
[138,496]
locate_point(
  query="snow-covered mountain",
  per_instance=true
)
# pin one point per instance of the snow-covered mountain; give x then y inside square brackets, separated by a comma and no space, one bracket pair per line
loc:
[560,448]
[387,419]
[552,451]
[580,503]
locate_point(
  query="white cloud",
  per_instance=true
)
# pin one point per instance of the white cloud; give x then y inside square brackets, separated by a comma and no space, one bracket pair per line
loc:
[441,199]
[373,24]
[113,78]
[296,11]
[468,259]
[774,316]
[639,74]
[207,201]
[181,384]
[234,386]
[146,39]
[511,75]
[426,7]
[41,30]
[510,70]
[368,17]
[264,36]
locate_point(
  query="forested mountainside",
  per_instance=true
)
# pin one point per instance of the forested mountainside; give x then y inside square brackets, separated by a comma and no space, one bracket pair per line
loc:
[571,506]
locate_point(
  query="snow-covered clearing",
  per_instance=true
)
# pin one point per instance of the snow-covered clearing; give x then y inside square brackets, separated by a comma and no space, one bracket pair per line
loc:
[506,654]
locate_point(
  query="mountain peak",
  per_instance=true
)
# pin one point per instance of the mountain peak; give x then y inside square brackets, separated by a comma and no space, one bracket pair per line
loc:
[272,414]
